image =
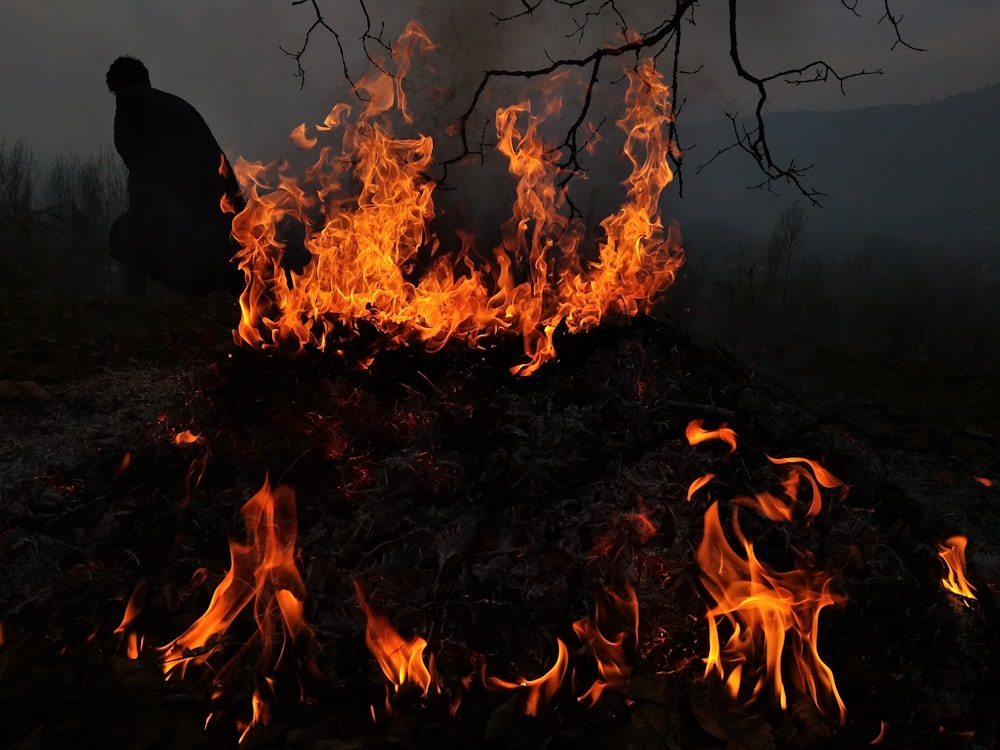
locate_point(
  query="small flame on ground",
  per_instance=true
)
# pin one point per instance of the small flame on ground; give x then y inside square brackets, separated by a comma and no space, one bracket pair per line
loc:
[261,711]
[539,691]
[767,611]
[881,734]
[136,600]
[697,484]
[696,433]
[196,470]
[802,472]
[986,482]
[123,467]
[953,554]
[401,661]
[613,665]
[263,572]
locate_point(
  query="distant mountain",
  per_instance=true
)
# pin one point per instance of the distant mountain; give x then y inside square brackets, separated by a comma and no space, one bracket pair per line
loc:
[928,172]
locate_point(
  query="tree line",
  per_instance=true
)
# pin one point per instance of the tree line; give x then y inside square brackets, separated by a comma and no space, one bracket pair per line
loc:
[55,219]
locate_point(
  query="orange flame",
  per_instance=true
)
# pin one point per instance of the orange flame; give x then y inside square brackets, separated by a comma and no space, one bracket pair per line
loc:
[609,653]
[698,483]
[540,690]
[767,610]
[196,470]
[132,609]
[696,433]
[953,554]
[985,481]
[401,660]
[261,711]
[263,572]
[367,213]
[777,508]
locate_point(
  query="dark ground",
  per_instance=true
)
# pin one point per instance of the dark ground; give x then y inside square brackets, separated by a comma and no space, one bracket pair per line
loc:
[483,512]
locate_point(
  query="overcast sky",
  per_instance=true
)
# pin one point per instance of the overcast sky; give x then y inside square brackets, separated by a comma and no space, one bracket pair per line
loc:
[223,56]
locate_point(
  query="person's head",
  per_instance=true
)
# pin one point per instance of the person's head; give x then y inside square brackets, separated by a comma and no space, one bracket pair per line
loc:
[127,72]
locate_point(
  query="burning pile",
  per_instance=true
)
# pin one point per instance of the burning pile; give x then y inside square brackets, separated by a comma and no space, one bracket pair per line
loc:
[367,211]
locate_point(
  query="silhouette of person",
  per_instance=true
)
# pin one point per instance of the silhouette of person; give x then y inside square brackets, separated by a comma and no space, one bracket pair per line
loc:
[181,190]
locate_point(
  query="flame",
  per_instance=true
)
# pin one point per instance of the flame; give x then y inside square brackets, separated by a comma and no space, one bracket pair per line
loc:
[187,437]
[196,470]
[696,433]
[401,660]
[366,211]
[767,610]
[609,652]
[881,733]
[698,483]
[782,508]
[540,690]
[985,481]
[123,467]
[261,711]
[953,554]
[132,609]
[263,572]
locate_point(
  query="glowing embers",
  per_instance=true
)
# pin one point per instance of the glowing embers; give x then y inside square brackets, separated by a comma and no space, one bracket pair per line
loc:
[262,573]
[953,554]
[367,210]
[768,614]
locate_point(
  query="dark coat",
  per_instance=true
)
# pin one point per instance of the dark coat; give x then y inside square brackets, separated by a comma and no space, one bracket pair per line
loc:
[176,229]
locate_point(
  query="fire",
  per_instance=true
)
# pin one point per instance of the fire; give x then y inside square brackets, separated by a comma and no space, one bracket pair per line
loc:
[401,661]
[367,210]
[540,690]
[196,470]
[953,554]
[133,646]
[262,572]
[698,483]
[261,712]
[609,652]
[783,507]
[696,433]
[767,611]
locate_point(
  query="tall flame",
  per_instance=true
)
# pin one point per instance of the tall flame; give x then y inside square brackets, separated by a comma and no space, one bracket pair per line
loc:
[367,211]
[767,611]
[263,572]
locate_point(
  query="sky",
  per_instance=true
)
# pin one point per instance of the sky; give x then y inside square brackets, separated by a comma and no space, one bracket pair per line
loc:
[224,57]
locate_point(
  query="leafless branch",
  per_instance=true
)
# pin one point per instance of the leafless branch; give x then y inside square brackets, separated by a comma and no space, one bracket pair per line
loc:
[895,20]
[664,38]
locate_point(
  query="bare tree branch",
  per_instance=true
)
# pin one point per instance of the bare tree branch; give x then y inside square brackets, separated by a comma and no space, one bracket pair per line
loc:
[895,21]
[665,36]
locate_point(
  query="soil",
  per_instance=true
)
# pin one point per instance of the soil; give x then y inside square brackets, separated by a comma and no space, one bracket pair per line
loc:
[485,513]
